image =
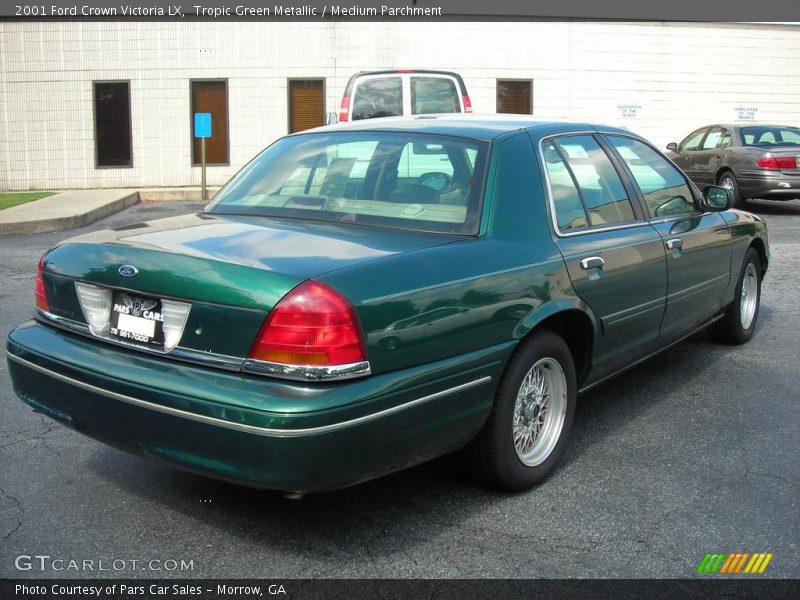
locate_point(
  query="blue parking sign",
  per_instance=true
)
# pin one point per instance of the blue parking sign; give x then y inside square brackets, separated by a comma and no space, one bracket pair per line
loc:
[202,125]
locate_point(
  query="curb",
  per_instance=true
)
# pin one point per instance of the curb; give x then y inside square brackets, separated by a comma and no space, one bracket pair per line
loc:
[70,222]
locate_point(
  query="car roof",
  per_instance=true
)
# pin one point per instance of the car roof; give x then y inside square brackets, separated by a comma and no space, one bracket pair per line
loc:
[747,124]
[486,127]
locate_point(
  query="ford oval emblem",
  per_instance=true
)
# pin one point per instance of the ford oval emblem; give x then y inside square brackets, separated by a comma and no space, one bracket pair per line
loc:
[128,270]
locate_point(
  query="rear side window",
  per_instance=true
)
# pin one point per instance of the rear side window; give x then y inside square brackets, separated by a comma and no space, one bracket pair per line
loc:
[378,97]
[664,188]
[570,213]
[433,95]
[601,190]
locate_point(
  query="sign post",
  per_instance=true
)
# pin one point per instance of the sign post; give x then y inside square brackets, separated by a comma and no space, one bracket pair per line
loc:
[202,130]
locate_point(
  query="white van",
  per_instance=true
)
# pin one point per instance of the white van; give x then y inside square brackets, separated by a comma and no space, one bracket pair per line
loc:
[373,94]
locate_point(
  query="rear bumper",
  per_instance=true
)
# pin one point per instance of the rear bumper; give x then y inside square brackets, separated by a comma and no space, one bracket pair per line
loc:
[262,433]
[772,185]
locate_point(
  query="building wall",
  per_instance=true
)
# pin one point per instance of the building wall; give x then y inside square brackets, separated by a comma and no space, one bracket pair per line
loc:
[658,79]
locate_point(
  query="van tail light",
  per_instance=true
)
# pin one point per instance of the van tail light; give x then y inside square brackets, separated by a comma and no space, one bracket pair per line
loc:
[467,104]
[776,162]
[344,109]
[312,325]
[41,297]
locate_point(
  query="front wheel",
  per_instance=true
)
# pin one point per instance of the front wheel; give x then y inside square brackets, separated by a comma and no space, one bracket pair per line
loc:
[728,181]
[532,415]
[739,322]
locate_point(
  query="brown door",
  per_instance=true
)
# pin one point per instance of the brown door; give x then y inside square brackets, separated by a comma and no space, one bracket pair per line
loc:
[306,104]
[514,97]
[211,97]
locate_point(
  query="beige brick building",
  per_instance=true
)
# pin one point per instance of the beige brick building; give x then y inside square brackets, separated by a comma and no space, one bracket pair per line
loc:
[61,84]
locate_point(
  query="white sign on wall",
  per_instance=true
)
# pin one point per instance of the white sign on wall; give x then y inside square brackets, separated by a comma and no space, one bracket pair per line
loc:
[629,111]
[746,113]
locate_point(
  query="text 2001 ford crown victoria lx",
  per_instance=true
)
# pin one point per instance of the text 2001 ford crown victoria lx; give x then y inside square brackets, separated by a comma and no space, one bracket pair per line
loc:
[362,298]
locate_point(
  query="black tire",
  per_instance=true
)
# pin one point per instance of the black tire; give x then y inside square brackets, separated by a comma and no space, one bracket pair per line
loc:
[493,456]
[728,180]
[730,328]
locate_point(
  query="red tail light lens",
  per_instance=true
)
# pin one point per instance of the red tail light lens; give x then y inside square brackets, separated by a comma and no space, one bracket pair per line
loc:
[344,109]
[777,162]
[312,325]
[467,104]
[41,297]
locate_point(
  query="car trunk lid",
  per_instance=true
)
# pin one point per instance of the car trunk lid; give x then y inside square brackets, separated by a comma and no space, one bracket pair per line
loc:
[229,271]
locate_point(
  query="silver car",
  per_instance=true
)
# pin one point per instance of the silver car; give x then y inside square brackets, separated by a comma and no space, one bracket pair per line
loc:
[752,161]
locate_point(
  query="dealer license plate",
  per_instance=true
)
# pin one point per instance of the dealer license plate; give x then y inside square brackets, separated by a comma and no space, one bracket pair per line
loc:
[137,319]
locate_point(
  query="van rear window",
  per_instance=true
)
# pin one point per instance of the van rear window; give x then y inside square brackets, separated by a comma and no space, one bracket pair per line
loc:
[379,97]
[431,95]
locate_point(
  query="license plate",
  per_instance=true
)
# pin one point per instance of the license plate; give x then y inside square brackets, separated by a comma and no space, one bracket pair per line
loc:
[137,319]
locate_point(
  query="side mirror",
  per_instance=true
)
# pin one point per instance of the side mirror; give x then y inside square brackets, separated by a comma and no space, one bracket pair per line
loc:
[716,198]
[672,146]
[331,118]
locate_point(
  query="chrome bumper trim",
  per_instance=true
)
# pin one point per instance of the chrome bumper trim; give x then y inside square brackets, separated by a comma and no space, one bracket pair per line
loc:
[307,372]
[252,429]
[207,359]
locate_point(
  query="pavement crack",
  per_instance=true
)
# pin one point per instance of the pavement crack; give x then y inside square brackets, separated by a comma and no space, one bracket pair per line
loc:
[20,519]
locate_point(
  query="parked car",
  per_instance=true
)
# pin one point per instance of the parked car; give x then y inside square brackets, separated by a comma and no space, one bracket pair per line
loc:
[248,342]
[752,161]
[373,94]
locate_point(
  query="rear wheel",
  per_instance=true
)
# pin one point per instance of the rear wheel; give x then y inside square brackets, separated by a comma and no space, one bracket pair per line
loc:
[739,322]
[532,415]
[728,181]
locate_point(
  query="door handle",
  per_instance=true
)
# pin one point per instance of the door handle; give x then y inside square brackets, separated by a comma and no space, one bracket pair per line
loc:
[592,262]
[674,244]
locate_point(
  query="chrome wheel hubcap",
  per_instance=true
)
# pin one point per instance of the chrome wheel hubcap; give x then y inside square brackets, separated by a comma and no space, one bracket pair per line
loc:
[539,411]
[749,296]
[728,184]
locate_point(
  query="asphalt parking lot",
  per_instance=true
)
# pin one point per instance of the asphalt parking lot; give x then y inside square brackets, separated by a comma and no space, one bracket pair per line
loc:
[696,451]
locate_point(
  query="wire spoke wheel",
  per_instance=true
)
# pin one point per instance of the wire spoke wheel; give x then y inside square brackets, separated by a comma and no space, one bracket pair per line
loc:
[539,411]
[749,296]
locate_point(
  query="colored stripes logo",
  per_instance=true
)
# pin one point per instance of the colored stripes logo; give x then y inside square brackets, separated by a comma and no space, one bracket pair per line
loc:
[734,562]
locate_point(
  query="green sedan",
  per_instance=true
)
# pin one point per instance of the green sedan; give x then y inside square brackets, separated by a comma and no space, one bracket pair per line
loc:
[365,297]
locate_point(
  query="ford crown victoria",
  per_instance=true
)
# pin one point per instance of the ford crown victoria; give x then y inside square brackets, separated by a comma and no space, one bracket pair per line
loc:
[365,297]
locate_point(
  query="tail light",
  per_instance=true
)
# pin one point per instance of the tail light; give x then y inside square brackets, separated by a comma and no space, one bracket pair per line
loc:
[313,325]
[777,162]
[467,104]
[41,297]
[344,109]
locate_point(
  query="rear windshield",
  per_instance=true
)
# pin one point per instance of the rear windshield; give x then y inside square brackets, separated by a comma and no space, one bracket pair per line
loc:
[771,136]
[434,95]
[379,97]
[400,180]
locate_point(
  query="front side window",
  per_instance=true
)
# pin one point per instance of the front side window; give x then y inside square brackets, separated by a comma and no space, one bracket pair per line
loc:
[692,141]
[664,189]
[378,97]
[408,181]
[431,95]
[601,190]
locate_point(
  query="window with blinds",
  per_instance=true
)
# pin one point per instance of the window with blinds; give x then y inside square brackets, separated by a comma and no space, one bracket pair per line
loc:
[211,97]
[112,124]
[306,104]
[515,96]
